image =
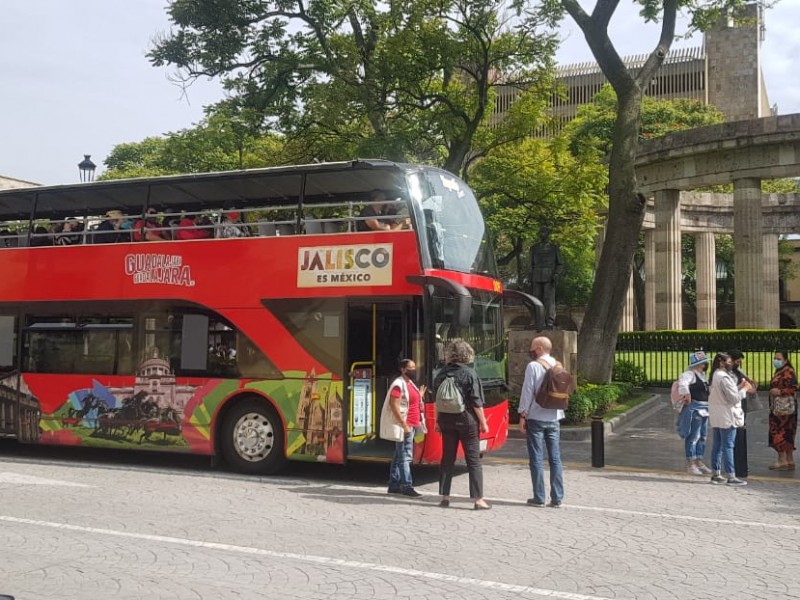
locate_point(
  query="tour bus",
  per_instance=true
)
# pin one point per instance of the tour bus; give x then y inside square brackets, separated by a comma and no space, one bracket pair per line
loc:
[257,315]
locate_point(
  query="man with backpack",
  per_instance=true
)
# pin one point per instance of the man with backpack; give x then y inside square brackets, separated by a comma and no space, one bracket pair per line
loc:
[542,426]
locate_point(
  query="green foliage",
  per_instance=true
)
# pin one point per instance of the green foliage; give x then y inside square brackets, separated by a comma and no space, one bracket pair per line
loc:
[534,183]
[629,372]
[590,399]
[341,78]
[223,141]
[594,124]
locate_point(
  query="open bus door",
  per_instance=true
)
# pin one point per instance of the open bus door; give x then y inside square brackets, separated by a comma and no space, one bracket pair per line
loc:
[377,338]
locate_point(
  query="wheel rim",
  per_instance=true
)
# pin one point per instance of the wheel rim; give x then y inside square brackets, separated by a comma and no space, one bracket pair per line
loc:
[253,437]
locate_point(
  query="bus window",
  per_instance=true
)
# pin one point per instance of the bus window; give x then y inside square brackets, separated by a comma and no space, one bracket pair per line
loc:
[8,343]
[203,345]
[66,344]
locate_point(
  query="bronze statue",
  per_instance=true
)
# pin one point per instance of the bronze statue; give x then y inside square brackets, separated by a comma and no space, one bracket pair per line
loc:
[546,269]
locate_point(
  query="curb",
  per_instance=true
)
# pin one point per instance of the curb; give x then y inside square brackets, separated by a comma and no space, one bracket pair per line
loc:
[584,433]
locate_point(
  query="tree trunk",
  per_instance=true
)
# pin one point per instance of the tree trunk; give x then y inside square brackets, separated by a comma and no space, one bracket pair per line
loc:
[598,334]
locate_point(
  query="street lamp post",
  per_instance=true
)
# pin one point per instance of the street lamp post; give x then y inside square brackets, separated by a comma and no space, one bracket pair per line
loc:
[86,168]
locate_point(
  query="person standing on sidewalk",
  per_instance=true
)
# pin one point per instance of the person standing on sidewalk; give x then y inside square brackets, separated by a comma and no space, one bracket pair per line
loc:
[542,427]
[465,427]
[783,427]
[740,446]
[725,414]
[693,420]
[408,412]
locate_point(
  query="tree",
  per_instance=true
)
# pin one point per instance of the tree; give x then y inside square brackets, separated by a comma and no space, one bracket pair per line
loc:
[223,141]
[626,207]
[345,78]
[534,183]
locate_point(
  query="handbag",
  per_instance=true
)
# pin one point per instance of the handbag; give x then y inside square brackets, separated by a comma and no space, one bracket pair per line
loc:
[390,428]
[783,406]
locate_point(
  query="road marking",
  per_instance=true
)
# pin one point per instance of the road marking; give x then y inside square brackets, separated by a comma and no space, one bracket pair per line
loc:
[620,511]
[19,479]
[310,558]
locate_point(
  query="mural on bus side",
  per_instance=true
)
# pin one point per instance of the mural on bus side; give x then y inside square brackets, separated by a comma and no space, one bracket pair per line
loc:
[159,411]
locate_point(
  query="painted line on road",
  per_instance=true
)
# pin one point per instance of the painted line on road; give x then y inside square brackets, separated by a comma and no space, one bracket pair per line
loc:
[634,470]
[310,558]
[602,509]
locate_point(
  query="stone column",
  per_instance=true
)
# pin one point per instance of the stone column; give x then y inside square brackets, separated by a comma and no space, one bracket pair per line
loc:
[668,259]
[748,249]
[772,306]
[706,280]
[649,280]
[629,312]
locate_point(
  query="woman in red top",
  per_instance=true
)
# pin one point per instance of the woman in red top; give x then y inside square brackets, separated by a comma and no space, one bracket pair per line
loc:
[783,427]
[407,408]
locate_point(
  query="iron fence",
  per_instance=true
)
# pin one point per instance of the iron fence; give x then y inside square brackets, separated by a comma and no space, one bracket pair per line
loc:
[664,355]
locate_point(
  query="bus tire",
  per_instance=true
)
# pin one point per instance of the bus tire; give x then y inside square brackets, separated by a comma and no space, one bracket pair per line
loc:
[252,438]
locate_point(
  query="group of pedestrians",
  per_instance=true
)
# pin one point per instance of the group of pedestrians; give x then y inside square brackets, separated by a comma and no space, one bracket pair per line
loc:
[716,401]
[403,415]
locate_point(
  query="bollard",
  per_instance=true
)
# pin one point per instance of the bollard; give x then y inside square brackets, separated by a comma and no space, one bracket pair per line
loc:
[598,443]
[740,446]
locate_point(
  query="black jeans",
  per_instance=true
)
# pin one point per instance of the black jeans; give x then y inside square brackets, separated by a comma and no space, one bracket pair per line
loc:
[460,428]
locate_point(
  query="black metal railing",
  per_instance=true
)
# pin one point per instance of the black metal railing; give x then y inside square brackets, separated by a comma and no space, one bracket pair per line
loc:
[664,355]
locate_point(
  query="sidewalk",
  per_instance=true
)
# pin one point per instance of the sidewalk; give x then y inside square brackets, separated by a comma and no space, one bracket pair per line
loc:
[649,441]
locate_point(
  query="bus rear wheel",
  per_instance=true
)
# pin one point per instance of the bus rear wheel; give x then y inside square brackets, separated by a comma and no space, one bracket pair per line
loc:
[252,438]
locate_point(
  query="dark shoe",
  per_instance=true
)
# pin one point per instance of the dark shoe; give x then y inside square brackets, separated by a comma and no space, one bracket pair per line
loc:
[534,502]
[394,491]
[411,493]
[483,506]
[552,504]
[444,504]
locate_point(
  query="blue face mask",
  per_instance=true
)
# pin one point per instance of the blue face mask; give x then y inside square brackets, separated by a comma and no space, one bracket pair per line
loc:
[777,363]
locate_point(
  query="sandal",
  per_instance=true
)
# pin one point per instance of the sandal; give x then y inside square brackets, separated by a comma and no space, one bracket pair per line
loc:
[776,467]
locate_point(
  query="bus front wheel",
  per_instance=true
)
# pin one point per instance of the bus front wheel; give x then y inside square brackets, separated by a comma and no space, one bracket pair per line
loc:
[252,438]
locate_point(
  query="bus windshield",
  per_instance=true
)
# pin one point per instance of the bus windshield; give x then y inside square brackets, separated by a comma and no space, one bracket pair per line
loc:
[484,332]
[453,233]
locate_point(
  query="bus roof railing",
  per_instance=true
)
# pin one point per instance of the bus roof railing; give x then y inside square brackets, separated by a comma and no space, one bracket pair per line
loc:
[272,185]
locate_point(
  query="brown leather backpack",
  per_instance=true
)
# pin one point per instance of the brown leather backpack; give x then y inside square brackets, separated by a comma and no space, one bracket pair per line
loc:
[556,387]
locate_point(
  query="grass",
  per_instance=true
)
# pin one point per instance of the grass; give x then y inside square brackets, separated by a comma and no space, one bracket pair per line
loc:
[628,403]
[665,367]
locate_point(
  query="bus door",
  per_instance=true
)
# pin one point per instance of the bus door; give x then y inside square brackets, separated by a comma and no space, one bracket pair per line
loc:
[19,411]
[377,337]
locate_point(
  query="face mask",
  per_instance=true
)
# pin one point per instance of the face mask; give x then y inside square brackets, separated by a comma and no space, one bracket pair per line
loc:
[728,367]
[411,374]
[778,363]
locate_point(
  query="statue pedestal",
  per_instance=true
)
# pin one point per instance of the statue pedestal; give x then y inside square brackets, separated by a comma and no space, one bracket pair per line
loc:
[565,350]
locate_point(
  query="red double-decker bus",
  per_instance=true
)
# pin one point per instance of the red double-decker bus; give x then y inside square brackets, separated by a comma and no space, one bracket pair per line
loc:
[255,315]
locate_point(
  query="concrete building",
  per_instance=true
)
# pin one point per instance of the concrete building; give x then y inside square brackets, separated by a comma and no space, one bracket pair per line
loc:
[7,183]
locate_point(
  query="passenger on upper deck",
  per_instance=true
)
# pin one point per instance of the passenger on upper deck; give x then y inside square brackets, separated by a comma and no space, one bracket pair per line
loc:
[148,230]
[193,227]
[380,215]
[232,226]
[70,232]
[42,236]
[109,231]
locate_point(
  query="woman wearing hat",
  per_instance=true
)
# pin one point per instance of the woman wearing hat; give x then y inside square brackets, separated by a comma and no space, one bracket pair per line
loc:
[693,422]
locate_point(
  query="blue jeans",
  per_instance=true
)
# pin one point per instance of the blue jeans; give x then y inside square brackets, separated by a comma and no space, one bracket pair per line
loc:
[400,469]
[722,450]
[695,442]
[541,433]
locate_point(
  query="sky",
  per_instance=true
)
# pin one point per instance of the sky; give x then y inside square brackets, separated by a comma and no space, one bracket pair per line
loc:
[75,79]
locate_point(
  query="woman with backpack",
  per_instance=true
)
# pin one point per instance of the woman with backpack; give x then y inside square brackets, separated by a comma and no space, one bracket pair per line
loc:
[462,424]
[725,414]
[693,420]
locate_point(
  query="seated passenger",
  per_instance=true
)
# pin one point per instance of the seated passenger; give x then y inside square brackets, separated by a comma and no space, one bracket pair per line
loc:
[110,230]
[380,215]
[41,236]
[148,230]
[70,232]
[193,227]
[232,226]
